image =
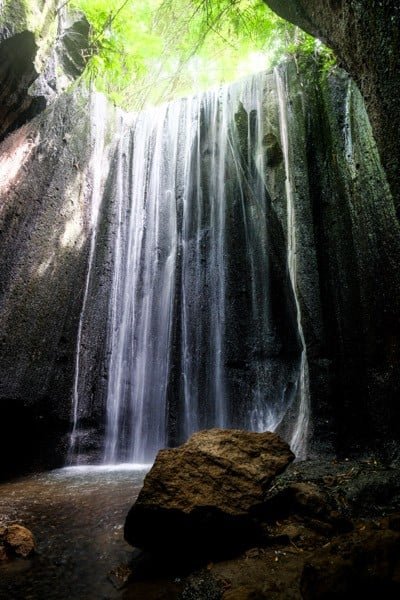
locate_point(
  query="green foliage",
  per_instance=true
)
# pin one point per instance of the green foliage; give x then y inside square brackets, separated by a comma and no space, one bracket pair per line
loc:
[147,51]
[123,42]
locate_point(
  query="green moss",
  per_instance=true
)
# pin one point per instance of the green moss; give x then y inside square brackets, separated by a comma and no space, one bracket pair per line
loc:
[37,16]
[14,16]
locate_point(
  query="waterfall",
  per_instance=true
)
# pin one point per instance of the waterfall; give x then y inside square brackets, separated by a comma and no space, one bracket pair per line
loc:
[202,327]
[348,129]
[143,290]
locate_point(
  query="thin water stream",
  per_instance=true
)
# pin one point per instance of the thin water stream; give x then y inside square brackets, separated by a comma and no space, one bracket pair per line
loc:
[77,516]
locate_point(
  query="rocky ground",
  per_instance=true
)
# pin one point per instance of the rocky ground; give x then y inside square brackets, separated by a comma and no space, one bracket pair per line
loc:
[331,529]
[315,529]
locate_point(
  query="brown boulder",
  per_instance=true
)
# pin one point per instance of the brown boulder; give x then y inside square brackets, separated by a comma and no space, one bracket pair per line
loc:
[16,540]
[202,497]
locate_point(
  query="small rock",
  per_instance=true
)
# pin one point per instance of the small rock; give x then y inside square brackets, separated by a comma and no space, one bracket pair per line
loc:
[119,576]
[292,532]
[297,499]
[309,498]
[321,527]
[18,540]
[254,553]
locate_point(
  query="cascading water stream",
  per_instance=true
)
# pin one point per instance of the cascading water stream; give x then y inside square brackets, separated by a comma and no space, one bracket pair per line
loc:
[192,338]
[142,291]
[98,111]
[300,429]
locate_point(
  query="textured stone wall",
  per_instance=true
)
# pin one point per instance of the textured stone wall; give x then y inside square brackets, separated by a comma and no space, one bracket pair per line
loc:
[365,35]
[44,212]
[348,252]
[45,227]
[42,50]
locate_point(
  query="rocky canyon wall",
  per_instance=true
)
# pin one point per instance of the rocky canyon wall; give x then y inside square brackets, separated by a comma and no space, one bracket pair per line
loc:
[365,35]
[45,214]
[43,49]
[46,190]
[348,239]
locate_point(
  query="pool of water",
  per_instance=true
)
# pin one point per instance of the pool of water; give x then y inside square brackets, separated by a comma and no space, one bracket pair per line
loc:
[77,516]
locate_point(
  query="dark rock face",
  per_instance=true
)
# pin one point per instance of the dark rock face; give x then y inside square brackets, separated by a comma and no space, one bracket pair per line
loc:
[17,73]
[348,281]
[45,228]
[25,92]
[365,34]
[202,497]
[73,45]
[259,352]
[346,229]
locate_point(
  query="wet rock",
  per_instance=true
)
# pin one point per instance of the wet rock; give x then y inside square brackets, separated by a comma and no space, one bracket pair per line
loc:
[321,527]
[74,47]
[373,61]
[16,540]
[36,66]
[297,498]
[353,566]
[273,150]
[202,497]
[47,194]
[17,72]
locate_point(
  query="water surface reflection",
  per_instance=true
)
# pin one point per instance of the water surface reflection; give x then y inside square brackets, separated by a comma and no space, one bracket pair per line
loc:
[77,516]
